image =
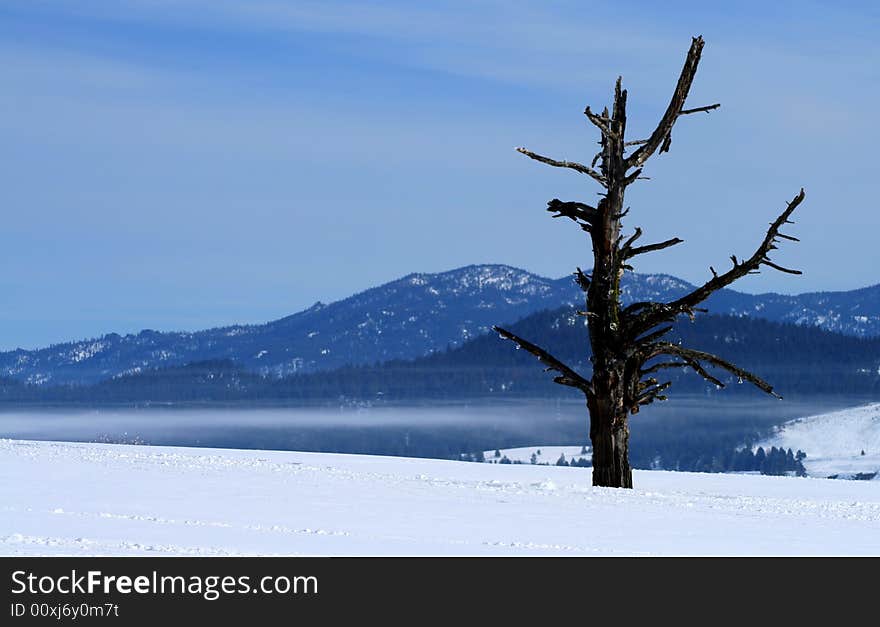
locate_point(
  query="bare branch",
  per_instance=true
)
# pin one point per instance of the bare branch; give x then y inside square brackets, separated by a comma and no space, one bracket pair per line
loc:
[650,337]
[619,110]
[628,244]
[662,366]
[664,128]
[688,362]
[653,314]
[582,280]
[707,108]
[572,165]
[639,250]
[694,357]
[602,123]
[583,214]
[632,178]
[767,262]
[567,376]
[650,395]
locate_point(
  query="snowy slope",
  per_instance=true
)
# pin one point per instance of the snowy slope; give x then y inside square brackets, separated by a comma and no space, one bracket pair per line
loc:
[834,442]
[65,498]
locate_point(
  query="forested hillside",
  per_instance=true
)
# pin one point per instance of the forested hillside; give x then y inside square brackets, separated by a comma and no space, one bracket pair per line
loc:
[795,359]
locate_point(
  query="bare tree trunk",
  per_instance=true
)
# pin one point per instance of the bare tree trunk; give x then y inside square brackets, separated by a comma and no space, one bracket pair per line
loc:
[609,435]
[609,432]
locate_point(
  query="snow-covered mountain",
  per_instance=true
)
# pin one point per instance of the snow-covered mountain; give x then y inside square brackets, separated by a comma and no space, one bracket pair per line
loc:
[856,312]
[410,317]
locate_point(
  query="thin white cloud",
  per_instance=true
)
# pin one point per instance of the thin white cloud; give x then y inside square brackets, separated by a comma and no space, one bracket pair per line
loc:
[552,45]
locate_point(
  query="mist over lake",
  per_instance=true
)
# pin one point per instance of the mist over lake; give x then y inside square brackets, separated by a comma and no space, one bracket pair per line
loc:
[421,430]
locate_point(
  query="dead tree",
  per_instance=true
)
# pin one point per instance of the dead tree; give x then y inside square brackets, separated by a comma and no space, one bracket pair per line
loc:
[628,350]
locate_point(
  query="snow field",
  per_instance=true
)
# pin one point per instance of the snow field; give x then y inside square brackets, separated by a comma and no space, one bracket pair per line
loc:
[103,499]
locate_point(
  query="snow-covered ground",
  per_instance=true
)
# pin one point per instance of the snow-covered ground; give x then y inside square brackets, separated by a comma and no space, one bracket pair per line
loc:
[834,442]
[106,499]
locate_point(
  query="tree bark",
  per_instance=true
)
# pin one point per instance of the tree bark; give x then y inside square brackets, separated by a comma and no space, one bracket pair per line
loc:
[609,433]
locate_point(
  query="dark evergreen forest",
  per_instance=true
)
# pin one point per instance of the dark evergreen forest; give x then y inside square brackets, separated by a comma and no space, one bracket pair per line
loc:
[795,359]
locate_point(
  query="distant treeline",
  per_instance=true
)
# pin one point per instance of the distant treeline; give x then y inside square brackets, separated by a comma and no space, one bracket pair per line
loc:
[794,359]
[777,461]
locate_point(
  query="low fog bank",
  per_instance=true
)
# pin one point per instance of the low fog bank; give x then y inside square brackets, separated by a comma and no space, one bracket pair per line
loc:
[442,431]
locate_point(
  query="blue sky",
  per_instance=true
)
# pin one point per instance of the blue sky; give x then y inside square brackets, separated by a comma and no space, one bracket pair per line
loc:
[191,163]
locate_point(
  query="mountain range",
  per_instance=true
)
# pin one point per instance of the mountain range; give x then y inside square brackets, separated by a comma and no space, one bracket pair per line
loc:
[416,315]
[800,360]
